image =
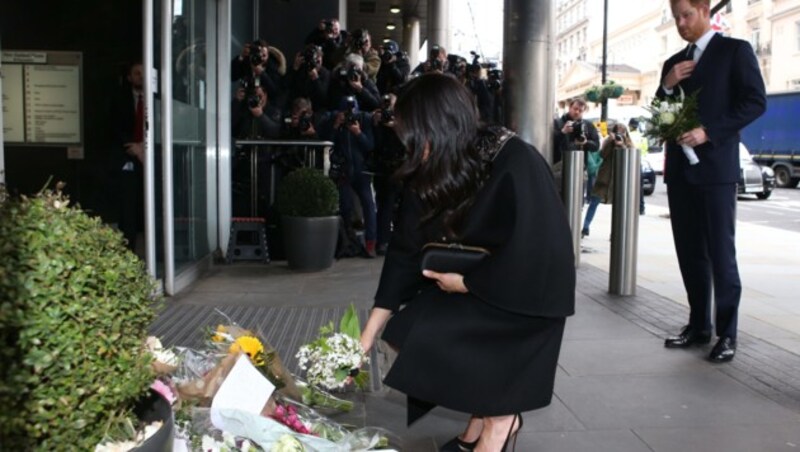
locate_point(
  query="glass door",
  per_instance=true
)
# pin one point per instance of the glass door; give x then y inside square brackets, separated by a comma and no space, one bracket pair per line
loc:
[184,93]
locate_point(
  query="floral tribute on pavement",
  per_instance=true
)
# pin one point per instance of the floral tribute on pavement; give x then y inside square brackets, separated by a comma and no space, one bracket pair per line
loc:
[234,394]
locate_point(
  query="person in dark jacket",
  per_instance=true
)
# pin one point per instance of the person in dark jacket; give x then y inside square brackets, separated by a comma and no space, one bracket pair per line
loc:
[485,342]
[394,68]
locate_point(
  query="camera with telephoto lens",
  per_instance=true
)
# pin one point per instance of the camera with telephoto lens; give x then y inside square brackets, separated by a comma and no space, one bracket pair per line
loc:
[255,54]
[350,111]
[251,98]
[309,59]
[386,56]
[387,114]
[619,137]
[328,26]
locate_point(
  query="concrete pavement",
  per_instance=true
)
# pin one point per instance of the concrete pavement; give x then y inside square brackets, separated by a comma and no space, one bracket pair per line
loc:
[617,388]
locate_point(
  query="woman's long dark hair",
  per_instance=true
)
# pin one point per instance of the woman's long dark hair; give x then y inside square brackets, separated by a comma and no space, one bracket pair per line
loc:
[438,111]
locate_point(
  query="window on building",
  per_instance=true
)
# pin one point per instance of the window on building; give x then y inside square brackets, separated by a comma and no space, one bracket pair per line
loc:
[797,33]
[755,39]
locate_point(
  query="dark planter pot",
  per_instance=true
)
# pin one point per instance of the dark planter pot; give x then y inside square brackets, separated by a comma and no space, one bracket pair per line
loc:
[310,242]
[153,407]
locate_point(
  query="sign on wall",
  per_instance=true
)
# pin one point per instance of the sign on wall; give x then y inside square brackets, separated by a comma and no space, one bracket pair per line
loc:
[42,98]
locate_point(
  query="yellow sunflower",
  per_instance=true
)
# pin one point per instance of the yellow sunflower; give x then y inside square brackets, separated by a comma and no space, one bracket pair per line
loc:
[250,345]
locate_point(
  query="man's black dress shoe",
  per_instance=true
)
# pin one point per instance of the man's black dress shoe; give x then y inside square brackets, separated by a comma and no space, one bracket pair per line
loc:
[688,337]
[723,351]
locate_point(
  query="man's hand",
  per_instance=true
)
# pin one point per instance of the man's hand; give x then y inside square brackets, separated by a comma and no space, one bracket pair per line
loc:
[567,129]
[313,74]
[310,131]
[678,72]
[240,94]
[694,137]
[338,120]
[354,128]
[298,60]
[356,85]
[257,112]
[136,150]
[448,282]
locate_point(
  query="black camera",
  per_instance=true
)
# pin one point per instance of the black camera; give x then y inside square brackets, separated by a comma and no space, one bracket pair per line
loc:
[309,59]
[328,26]
[304,122]
[386,56]
[619,137]
[578,133]
[387,113]
[255,54]
[253,100]
[350,111]
[495,77]
[352,74]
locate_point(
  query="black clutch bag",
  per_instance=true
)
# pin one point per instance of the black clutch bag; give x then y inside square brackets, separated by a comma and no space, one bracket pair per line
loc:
[451,257]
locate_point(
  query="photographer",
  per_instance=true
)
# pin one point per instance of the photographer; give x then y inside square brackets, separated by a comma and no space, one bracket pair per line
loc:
[618,140]
[436,62]
[394,68]
[352,135]
[301,124]
[495,85]
[360,43]
[388,155]
[260,65]
[331,39]
[571,132]
[251,115]
[309,78]
[477,86]
[349,79]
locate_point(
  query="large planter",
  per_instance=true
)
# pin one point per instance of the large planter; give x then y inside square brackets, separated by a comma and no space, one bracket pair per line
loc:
[310,242]
[151,408]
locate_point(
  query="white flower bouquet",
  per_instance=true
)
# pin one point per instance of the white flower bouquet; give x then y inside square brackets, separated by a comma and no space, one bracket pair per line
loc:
[672,117]
[335,357]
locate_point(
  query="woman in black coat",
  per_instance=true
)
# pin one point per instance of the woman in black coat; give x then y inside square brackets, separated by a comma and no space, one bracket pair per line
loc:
[485,342]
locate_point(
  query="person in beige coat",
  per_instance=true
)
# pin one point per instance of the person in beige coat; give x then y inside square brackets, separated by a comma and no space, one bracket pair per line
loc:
[603,192]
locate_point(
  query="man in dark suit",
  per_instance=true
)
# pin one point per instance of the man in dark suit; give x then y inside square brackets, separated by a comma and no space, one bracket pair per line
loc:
[128,112]
[725,75]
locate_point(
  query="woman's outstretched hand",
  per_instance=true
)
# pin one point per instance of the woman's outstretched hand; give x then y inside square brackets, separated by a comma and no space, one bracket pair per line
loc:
[448,282]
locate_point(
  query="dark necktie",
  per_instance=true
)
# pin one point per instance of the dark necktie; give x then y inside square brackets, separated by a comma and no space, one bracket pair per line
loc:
[690,52]
[138,126]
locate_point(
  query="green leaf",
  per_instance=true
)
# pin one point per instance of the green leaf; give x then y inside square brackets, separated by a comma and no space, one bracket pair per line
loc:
[349,324]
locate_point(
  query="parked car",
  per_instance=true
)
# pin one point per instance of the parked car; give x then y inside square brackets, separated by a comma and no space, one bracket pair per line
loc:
[655,157]
[754,178]
[648,178]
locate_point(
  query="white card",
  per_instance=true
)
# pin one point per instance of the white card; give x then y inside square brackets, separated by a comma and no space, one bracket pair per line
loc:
[244,389]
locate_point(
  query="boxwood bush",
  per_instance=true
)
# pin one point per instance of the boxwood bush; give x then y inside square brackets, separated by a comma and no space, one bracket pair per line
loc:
[75,305]
[307,192]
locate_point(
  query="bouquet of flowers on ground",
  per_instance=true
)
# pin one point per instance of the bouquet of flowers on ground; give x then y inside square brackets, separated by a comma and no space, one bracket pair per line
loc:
[232,339]
[672,117]
[334,358]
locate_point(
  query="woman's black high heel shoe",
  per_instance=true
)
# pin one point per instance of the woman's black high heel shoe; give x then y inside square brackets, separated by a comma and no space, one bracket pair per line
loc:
[513,434]
[458,445]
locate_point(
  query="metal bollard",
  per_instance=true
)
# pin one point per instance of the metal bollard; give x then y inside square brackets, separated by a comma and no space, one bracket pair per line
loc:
[625,222]
[572,194]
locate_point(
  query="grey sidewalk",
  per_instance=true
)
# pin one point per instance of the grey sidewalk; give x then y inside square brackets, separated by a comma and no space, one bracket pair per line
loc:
[617,388]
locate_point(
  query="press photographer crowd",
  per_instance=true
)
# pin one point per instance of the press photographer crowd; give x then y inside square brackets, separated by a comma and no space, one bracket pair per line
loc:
[341,87]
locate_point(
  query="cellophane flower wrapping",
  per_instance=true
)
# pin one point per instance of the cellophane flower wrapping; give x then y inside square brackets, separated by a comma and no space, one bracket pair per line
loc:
[672,117]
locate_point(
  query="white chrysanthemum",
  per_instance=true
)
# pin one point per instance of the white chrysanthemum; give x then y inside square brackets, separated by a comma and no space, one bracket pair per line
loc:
[666,118]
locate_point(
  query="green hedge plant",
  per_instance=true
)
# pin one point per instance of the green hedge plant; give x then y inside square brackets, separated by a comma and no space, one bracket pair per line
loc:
[75,305]
[307,192]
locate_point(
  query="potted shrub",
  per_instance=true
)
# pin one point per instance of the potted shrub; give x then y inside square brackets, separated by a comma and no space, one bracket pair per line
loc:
[75,305]
[308,203]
